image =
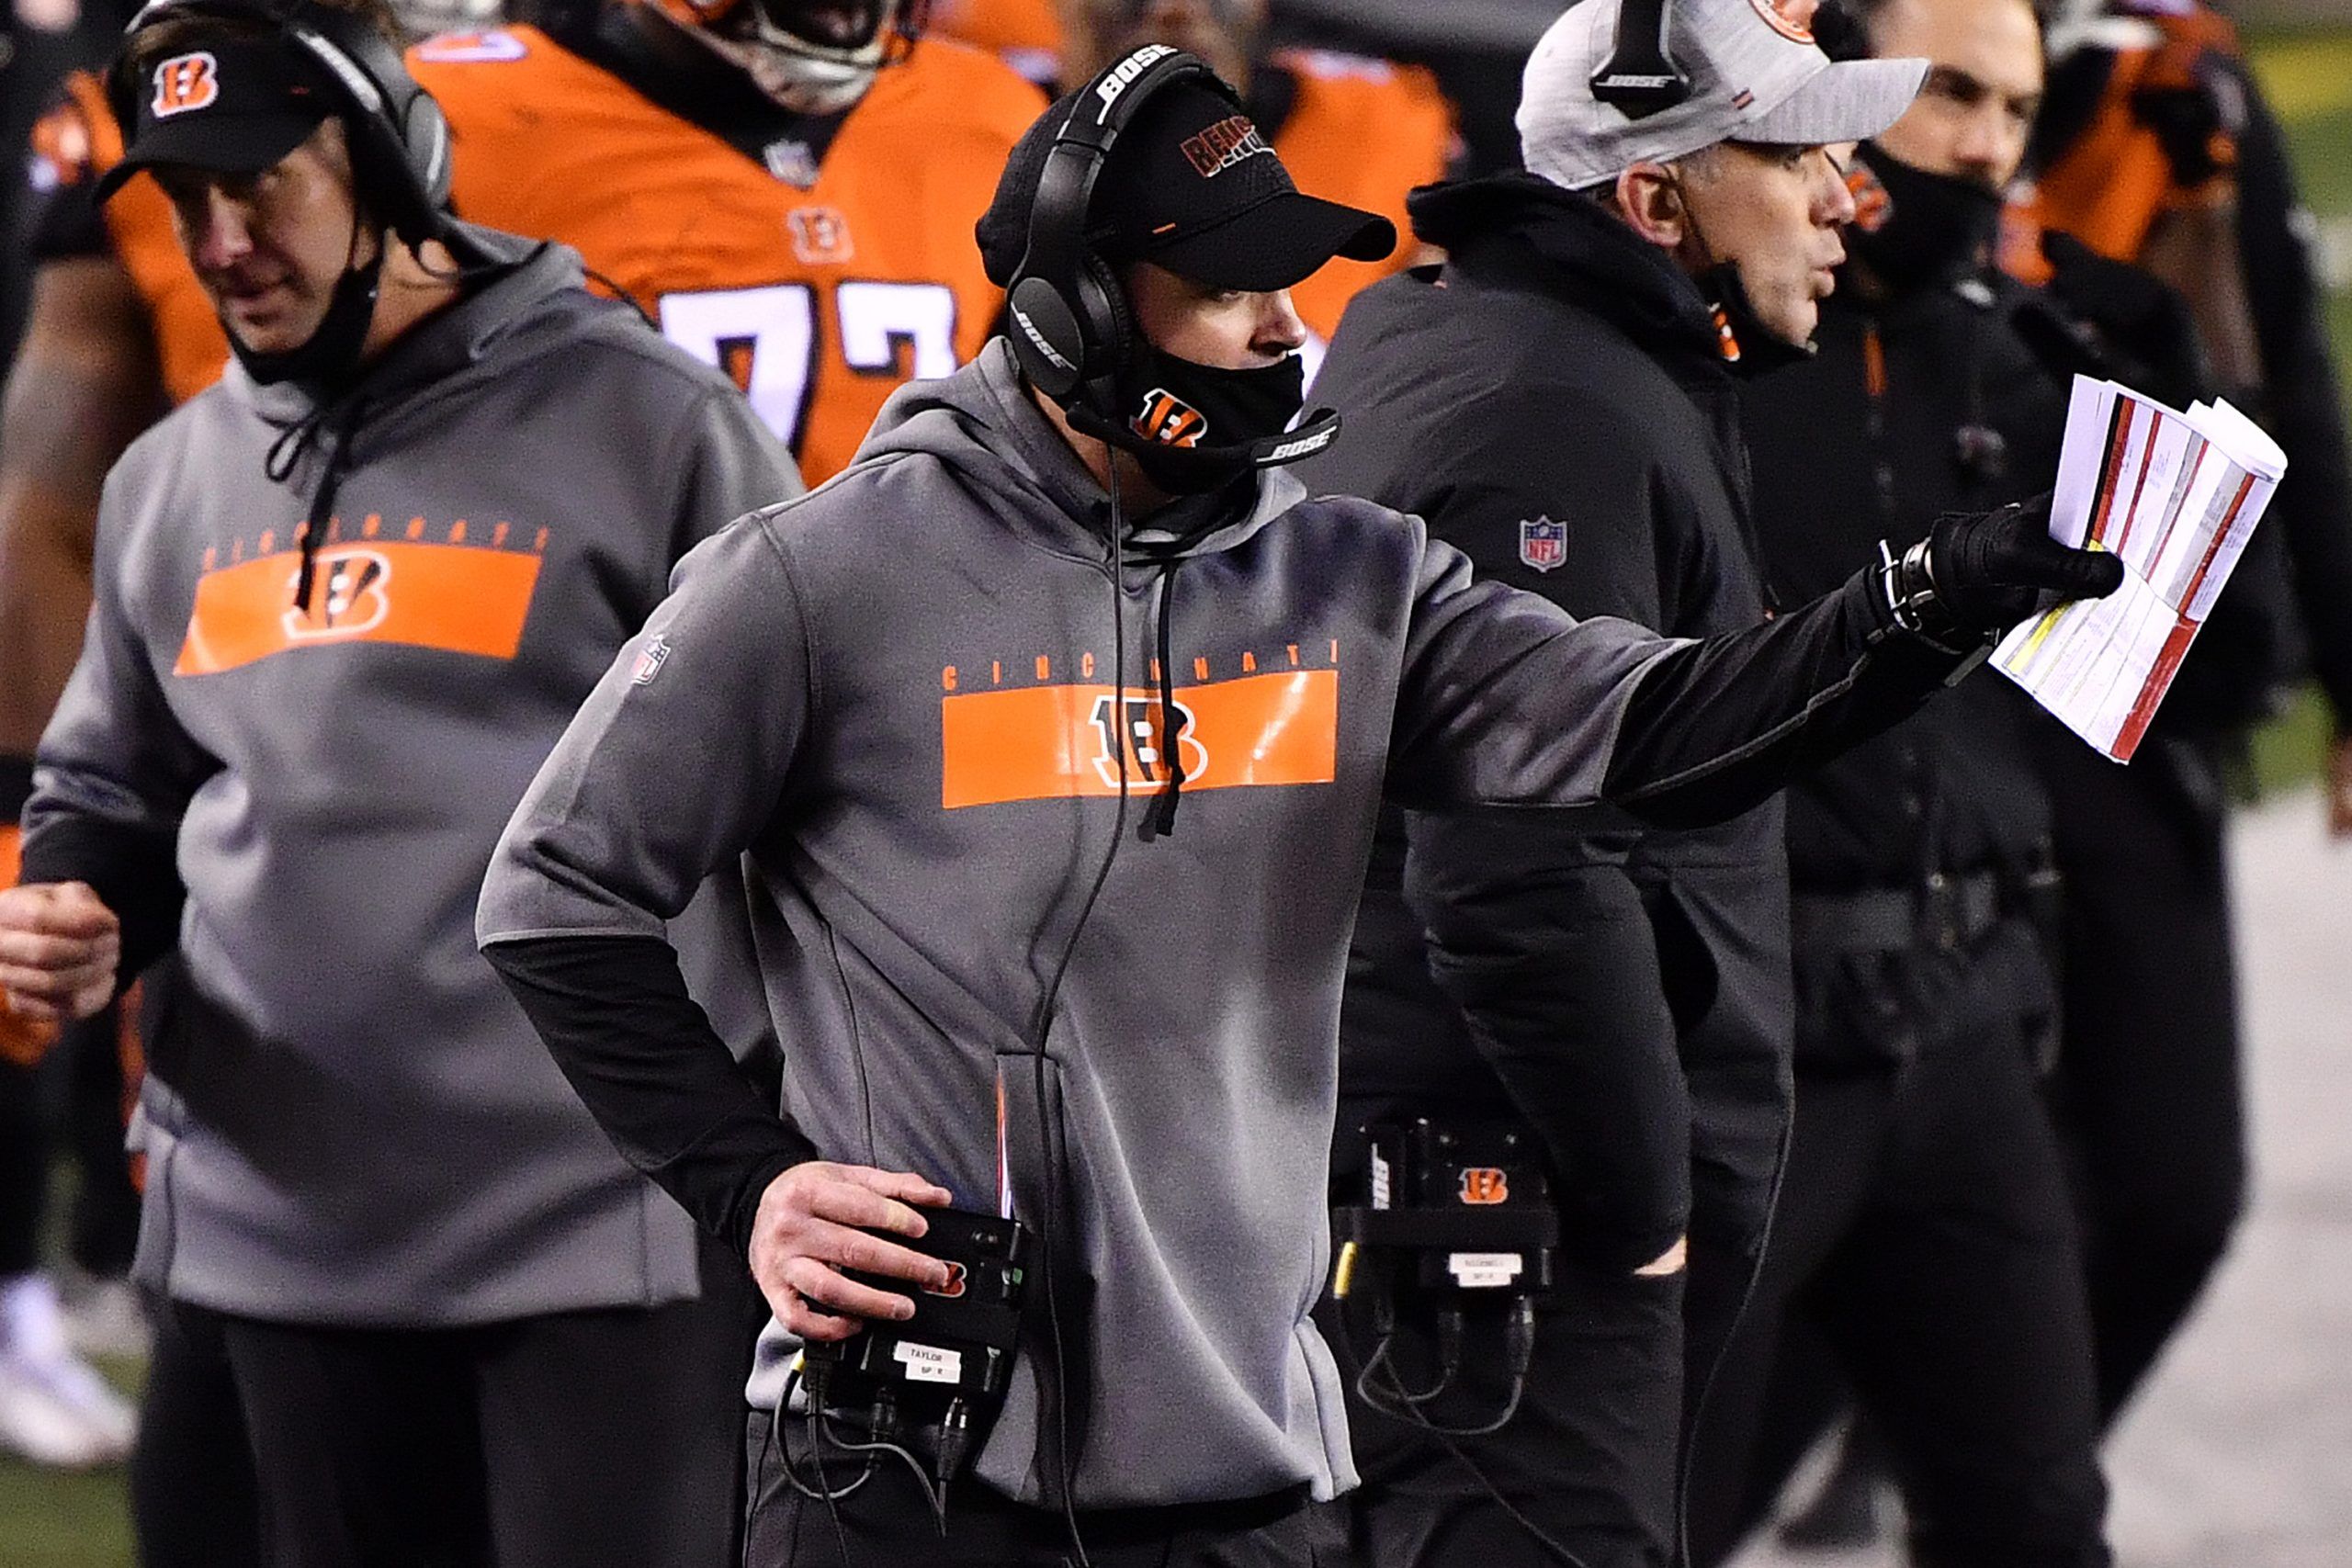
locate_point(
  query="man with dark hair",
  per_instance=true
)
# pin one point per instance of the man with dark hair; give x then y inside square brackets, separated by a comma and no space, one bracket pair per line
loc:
[345,600]
[1924,1252]
[1053,731]
[2157,150]
[1559,401]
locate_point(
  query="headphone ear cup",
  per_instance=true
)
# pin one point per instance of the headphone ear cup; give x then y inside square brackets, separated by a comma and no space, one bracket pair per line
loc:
[1107,323]
[425,132]
[386,178]
[1046,337]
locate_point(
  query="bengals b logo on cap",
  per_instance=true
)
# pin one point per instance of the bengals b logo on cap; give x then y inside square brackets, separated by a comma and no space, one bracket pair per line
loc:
[185,82]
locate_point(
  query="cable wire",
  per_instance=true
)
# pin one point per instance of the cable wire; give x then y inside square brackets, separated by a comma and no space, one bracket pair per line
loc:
[1446,1440]
[931,1495]
[1041,1026]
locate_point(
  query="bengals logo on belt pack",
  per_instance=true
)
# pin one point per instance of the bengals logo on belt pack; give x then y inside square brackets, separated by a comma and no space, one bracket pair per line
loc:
[1169,419]
[1486,1184]
[185,82]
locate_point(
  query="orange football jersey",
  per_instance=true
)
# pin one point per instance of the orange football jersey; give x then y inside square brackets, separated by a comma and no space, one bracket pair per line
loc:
[2112,184]
[78,141]
[820,301]
[1364,133]
[1025,34]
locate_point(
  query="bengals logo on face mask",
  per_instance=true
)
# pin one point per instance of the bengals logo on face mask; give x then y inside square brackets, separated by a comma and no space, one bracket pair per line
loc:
[1169,419]
[185,82]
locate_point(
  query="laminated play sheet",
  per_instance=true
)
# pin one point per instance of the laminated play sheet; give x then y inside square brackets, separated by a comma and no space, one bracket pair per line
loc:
[2175,496]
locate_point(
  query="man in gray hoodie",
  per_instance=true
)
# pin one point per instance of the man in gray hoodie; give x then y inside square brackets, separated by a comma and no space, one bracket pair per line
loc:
[1054,730]
[346,601]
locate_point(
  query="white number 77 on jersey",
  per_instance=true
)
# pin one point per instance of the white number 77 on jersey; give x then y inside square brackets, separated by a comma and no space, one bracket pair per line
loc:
[767,338]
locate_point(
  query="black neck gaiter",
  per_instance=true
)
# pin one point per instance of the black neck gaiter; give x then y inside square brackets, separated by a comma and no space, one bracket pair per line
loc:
[1911,228]
[329,355]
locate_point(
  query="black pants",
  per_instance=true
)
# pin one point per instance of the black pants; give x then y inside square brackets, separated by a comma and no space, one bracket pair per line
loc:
[1925,1226]
[1588,1458]
[2148,1092]
[586,1438]
[886,1523]
[74,1100]
[1592,1455]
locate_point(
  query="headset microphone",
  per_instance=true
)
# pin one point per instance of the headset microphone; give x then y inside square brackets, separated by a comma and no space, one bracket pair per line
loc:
[1314,431]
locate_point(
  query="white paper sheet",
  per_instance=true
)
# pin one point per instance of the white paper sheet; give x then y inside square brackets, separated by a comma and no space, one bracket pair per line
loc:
[2174,496]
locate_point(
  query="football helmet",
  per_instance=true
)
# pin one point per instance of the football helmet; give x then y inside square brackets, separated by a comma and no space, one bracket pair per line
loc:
[811,56]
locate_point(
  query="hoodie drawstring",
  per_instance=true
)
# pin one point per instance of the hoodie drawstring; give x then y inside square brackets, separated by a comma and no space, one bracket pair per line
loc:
[1162,818]
[286,454]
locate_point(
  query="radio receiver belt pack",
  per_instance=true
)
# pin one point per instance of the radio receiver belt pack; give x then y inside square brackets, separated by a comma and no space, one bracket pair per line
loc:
[1455,1218]
[936,1377]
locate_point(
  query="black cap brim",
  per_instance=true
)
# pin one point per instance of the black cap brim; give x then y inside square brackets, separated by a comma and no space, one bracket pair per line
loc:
[224,145]
[1276,244]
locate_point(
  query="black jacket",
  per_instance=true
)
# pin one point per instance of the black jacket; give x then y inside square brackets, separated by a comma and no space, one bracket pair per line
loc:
[1836,470]
[1553,402]
[1966,414]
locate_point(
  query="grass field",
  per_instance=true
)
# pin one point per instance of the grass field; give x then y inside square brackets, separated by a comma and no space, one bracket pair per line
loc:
[54,1521]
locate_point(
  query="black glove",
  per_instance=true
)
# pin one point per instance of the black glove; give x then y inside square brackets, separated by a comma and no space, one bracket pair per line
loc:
[1992,570]
[1976,575]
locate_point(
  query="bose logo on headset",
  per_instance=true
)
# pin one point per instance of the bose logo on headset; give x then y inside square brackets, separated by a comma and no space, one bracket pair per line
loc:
[1043,344]
[1302,446]
[1119,77]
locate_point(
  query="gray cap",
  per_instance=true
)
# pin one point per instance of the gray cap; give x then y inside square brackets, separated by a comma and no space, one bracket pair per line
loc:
[1754,74]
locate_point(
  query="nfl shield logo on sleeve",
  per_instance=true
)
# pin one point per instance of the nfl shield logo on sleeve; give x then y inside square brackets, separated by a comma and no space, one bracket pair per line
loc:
[1543,544]
[649,662]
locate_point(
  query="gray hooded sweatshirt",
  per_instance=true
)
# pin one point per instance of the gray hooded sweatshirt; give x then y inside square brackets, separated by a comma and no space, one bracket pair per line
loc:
[347,1120]
[897,695]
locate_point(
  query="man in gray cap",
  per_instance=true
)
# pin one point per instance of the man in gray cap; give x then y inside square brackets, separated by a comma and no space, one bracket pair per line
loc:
[1559,402]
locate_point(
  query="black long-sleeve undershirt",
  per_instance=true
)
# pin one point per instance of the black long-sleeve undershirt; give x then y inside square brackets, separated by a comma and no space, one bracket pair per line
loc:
[644,1058]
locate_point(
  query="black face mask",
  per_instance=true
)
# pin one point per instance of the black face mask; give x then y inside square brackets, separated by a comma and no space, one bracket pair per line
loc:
[1748,345]
[328,354]
[1916,228]
[1198,427]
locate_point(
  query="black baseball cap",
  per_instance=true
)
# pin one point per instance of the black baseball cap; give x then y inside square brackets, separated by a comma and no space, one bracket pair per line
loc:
[1192,185]
[233,105]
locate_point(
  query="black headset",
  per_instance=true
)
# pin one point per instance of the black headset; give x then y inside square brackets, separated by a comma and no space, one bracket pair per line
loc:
[1070,328]
[1639,78]
[400,139]
[1071,332]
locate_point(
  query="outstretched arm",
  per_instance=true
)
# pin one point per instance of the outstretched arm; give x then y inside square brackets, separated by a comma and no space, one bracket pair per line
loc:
[1507,701]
